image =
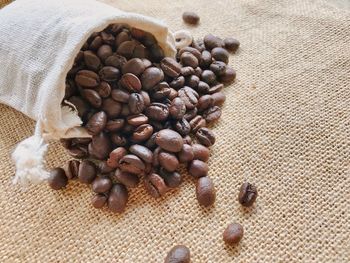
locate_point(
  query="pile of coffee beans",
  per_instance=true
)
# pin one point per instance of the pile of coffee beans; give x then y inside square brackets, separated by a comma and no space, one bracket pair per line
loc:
[147,114]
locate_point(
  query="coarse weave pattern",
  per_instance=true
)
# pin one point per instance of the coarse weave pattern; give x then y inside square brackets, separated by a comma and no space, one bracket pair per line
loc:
[285,127]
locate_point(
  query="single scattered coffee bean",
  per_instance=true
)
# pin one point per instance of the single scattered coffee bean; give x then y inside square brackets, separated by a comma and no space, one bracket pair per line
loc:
[190,18]
[212,114]
[127,179]
[91,60]
[228,76]
[205,136]
[247,194]
[157,111]
[118,197]
[155,185]
[233,234]
[170,67]
[171,179]
[205,191]
[211,41]
[186,154]
[220,54]
[96,123]
[72,169]
[111,107]
[151,77]
[136,104]
[134,66]
[142,133]
[168,161]
[200,152]
[197,123]
[131,164]
[101,184]
[142,152]
[87,79]
[177,109]
[115,156]
[169,140]
[131,82]
[188,59]
[114,125]
[198,168]
[57,179]
[104,52]
[178,254]
[98,200]
[231,44]
[87,172]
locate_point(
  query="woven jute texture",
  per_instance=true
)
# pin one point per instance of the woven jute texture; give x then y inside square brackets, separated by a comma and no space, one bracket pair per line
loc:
[285,127]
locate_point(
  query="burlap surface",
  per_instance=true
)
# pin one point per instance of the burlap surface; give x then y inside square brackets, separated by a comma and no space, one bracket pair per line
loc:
[285,127]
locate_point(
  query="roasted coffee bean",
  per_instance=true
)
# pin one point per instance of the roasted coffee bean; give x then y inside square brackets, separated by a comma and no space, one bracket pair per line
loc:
[109,73]
[127,179]
[118,140]
[218,67]
[218,98]
[87,79]
[142,133]
[81,141]
[198,168]
[205,191]
[170,67]
[98,200]
[125,110]
[114,125]
[192,81]
[96,43]
[173,94]
[122,37]
[151,142]
[134,66]
[187,140]
[107,38]
[146,62]
[57,179]
[148,39]
[168,161]
[233,234]
[178,82]
[71,169]
[79,151]
[137,120]
[91,60]
[128,129]
[212,114]
[126,49]
[203,87]
[178,254]
[186,154]
[156,53]
[206,59]
[145,97]
[200,152]
[137,33]
[101,184]
[188,59]
[136,104]
[197,123]
[157,111]
[104,52]
[169,140]
[247,194]
[220,54]
[155,185]
[140,51]
[205,136]
[161,91]
[190,114]
[104,89]
[117,199]
[216,88]
[131,82]
[228,76]
[171,179]
[199,45]
[87,172]
[189,97]
[100,146]
[211,41]
[190,18]
[191,50]
[131,164]
[155,161]
[103,168]
[208,76]
[120,95]
[92,97]
[111,107]
[187,71]
[231,44]
[142,152]
[96,123]
[177,109]
[70,89]
[151,77]
[198,72]
[115,156]
[205,102]
[116,61]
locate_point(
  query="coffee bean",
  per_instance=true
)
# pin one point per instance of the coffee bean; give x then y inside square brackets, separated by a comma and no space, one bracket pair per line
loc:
[131,164]
[71,169]
[192,81]
[199,45]
[233,234]
[187,140]
[205,102]
[151,77]
[168,161]
[178,82]
[115,156]
[87,79]
[137,33]
[189,97]
[142,152]
[122,37]
[96,43]
[57,179]
[188,59]
[155,160]
[145,97]
[127,179]
[146,62]
[151,142]
[216,88]
[186,154]
[218,67]
[177,109]
[157,111]
[156,53]
[131,82]
[197,123]
[91,60]
[191,50]
[142,133]
[170,67]
[173,94]
[118,140]
[228,76]
[109,73]
[92,97]
[140,51]
[169,140]
[107,38]
[98,200]
[218,98]
[211,41]
[100,146]
[128,129]
[200,152]
[148,39]
[134,66]
[205,136]
[220,54]
[120,95]
[126,49]
[187,71]
[104,89]
[87,172]
[102,167]
[171,179]
[155,185]
[205,191]
[198,168]
[161,91]
[198,72]
[212,114]
[78,151]
[137,120]
[96,123]
[231,44]
[247,194]
[203,87]
[118,197]
[81,141]
[114,125]
[104,52]
[178,254]
[206,59]
[190,114]
[101,184]
[208,76]
[190,18]
[116,61]
[136,104]
[183,127]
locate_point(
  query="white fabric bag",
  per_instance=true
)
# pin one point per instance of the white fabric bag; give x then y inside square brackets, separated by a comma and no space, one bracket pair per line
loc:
[38,43]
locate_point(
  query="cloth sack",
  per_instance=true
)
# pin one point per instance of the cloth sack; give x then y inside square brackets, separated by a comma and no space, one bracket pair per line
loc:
[39,41]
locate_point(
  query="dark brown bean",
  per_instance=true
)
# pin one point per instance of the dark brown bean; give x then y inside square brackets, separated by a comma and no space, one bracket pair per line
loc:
[71,169]
[187,139]
[157,111]
[92,97]
[111,107]
[118,197]
[183,127]
[218,67]
[87,79]
[57,179]
[100,146]
[200,152]
[134,66]
[104,89]
[197,123]
[87,172]
[208,76]
[151,142]
[142,133]
[107,38]
[212,114]
[206,59]
[199,45]
[216,88]
[116,61]
[168,161]
[120,95]
[187,71]
[126,49]
[104,52]
[114,125]
[98,200]
[151,77]
[205,191]
[169,140]
[220,54]
[109,73]
[178,82]
[137,120]
[115,156]
[211,41]
[131,82]
[177,109]
[102,167]
[228,76]
[233,234]
[156,53]
[122,37]
[188,59]
[155,161]
[190,114]
[140,51]
[189,97]
[131,164]
[79,151]
[191,50]
[136,104]
[118,140]
[205,136]
[91,60]
[101,184]
[161,91]
[247,194]
[127,179]
[96,43]
[231,44]
[218,98]
[171,179]
[186,154]
[205,102]
[155,185]
[142,152]
[178,254]
[192,81]
[96,123]
[170,67]
[190,18]
[198,168]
